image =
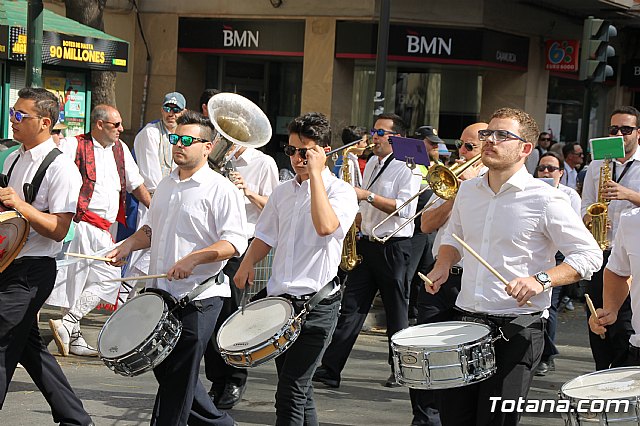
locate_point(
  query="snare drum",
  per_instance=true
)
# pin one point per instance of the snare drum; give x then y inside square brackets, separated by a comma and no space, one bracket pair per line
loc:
[139,335]
[622,384]
[267,328]
[443,355]
[14,229]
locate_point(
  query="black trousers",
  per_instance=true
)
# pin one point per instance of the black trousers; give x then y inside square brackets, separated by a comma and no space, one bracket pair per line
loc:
[383,268]
[218,372]
[420,260]
[612,350]
[433,308]
[294,394]
[516,361]
[24,286]
[181,397]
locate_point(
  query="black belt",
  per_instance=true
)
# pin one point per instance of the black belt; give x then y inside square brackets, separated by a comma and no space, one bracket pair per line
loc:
[29,258]
[634,351]
[306,297]
[390,240]
[455,270]
[509,325]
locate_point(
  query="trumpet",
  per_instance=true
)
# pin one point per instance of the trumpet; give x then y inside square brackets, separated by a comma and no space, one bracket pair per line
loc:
[442,180]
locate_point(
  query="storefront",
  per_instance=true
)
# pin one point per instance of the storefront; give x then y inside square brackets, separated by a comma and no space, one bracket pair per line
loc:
[69,52]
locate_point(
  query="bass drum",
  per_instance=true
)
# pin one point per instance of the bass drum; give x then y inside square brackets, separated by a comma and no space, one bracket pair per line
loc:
[14,229]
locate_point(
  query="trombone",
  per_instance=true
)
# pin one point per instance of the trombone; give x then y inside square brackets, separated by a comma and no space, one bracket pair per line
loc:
[442,180]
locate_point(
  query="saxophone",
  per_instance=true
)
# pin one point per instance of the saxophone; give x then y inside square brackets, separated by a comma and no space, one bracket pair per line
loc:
[350,258]
[599,210]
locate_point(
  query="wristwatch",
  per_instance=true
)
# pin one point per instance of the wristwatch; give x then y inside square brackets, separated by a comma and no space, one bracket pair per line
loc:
[371,197]
[544,279]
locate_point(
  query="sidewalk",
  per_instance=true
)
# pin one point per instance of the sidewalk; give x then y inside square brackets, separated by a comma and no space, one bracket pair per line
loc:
[361,399]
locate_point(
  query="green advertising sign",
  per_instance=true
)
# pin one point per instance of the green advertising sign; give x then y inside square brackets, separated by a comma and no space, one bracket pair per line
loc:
[610,147]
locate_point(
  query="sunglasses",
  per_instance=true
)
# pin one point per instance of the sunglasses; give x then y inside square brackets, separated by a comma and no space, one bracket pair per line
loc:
[467,145]
[174,110]
[185,140]
[498,135]
[382,132]
[545,139]
[19,116]
[625,130]
[116,125]
[291,150]
[548,168]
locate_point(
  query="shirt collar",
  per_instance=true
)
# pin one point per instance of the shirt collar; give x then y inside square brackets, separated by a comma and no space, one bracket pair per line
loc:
[202,175]
[326,174]
[246,157]
[381,161]
[40,151]
[518,180]
[635,156]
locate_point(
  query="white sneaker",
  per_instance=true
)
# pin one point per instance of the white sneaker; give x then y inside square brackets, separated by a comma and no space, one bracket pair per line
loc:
[80,347]
[61,336]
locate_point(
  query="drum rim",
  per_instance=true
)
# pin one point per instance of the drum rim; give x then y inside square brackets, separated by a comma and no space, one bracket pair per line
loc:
[435,324]
[260,345]
[8,215]
[593,373]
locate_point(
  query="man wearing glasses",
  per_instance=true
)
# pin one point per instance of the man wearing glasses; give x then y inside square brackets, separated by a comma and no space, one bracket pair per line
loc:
[622,193]
[387,184]
[196,222]
[573,159]
[108,172]
[516,223]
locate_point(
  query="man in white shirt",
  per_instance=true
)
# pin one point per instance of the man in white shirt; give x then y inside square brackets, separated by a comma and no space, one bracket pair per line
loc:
[573,158]
[27,282]
[622,192]
[350,134]
[387,184]
[104,167]
[196,222]
[619,283]
[516,223]
[305,222]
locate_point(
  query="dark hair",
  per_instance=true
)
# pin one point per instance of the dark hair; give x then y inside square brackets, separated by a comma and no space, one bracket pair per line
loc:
[528,126]
[312,125]
[352,133]
[629,110]
[568,148]
[543,133]
[554,155]
[206,95]
[194,117]
[46,103]
[399,125]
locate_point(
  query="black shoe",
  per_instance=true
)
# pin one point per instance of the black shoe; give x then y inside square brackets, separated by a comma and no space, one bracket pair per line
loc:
[214,393]
[322,375]
[391,382]
[231,396]
[542,369]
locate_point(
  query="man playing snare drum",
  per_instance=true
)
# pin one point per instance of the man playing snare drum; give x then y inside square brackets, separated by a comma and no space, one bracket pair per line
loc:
[517,224]
[305,221]
[196,222]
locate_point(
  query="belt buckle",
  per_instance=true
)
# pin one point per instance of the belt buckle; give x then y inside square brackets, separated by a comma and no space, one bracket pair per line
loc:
[371,239]
[456,270]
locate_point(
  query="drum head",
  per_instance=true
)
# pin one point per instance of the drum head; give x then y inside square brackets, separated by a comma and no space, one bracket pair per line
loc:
[441,334]
[261,320]
[618,383]
[14,229]
[130,325]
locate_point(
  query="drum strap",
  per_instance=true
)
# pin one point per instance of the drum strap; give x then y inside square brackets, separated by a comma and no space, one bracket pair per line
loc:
[518,324]
[320,295]
[216,279]
[30,190]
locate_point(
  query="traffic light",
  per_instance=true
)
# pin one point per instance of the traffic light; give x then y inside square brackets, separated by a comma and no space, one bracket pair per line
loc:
[596,50]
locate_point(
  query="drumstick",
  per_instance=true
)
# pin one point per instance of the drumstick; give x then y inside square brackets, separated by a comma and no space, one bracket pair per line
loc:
[484,263]
[425,278]
[593,310]
[138,278]
[88,256]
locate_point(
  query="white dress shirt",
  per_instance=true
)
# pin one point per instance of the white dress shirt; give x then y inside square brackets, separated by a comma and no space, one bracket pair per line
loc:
[398,182]
[631,180]
[574,197]
[354,170]
[625,261]
[58,193]
[517,231]
[153,153]
[260,174]
[190,215]
[303,261]
[570,177]
[105,201]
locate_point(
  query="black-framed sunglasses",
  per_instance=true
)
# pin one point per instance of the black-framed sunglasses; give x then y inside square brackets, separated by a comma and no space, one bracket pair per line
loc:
[291,150]
[549,168]
[544,139]
[19,116]
[467,145]
[625,130]
[174,109]
[498,135]
[185,140]
[382,132]
[116,124]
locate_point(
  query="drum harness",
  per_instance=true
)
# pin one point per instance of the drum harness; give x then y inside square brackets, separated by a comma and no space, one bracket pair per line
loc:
[503,327]
[30,190]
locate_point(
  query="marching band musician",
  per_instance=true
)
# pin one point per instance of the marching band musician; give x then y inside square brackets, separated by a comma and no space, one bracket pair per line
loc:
[108,171]
[439,307]
[388,183]
[196,222]
[622,192]
[350,134]
[517,223]
[27,282]
[305,221]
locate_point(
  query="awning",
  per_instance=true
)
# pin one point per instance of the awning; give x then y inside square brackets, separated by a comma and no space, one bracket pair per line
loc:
[64,41]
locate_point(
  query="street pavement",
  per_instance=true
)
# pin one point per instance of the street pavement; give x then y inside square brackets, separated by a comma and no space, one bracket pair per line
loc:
[361,399]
